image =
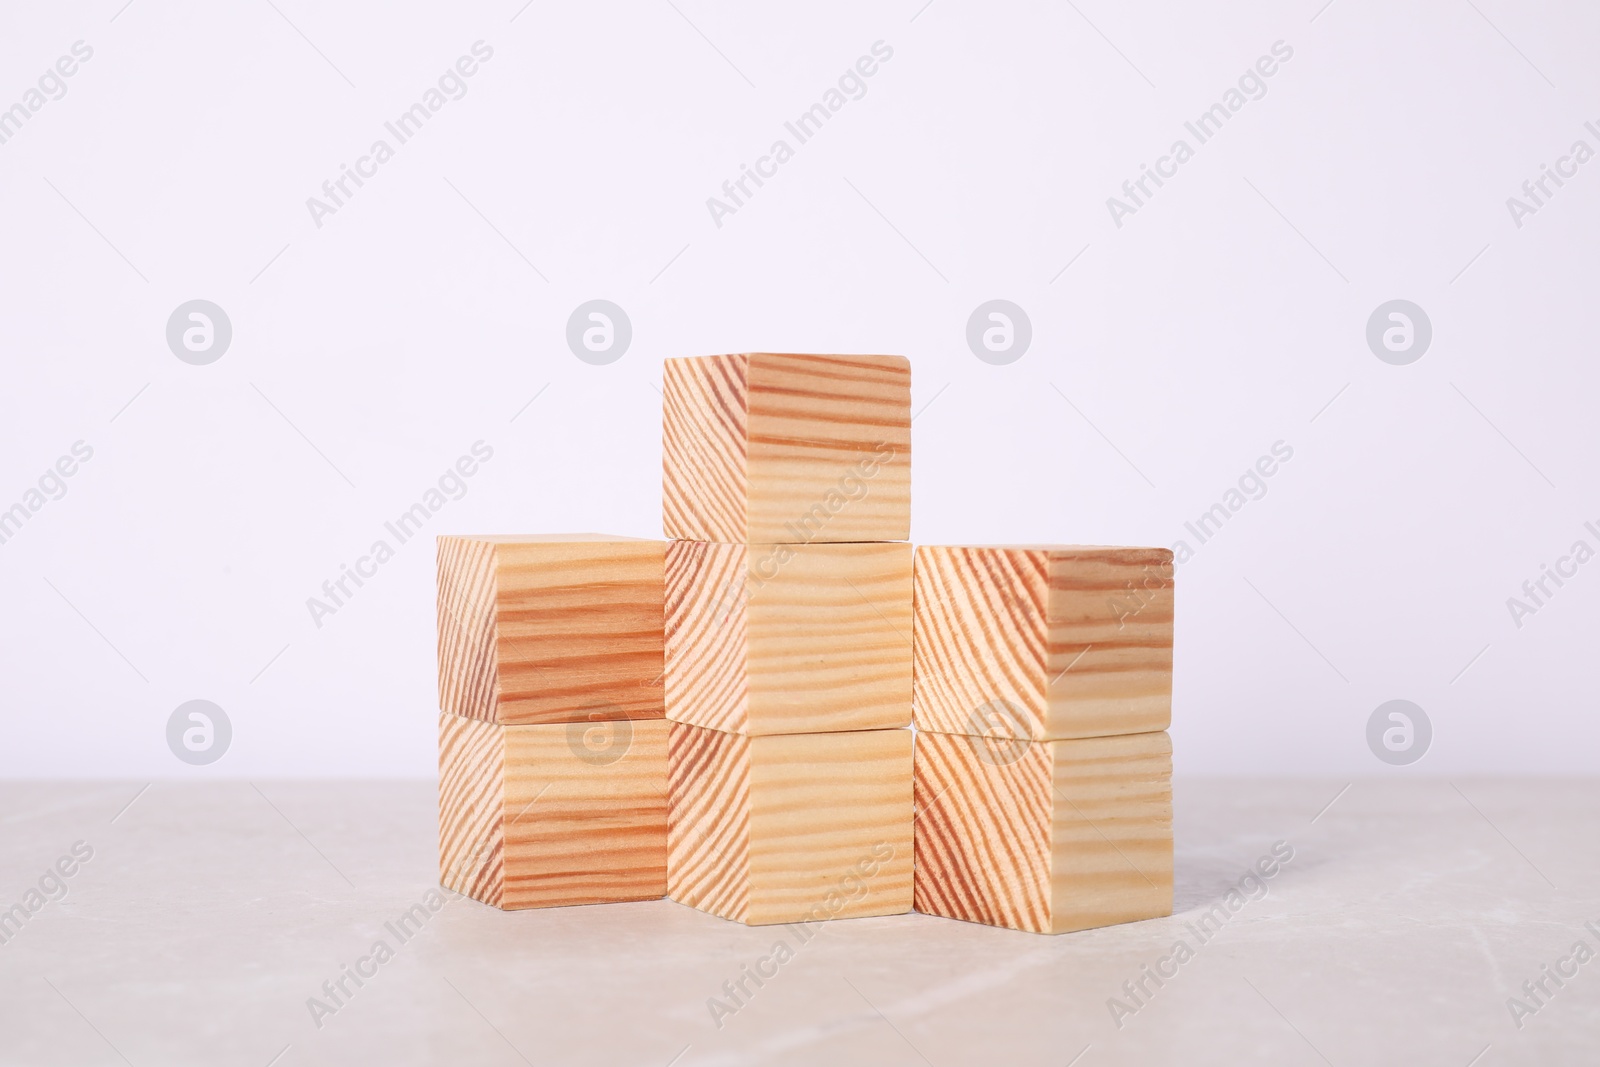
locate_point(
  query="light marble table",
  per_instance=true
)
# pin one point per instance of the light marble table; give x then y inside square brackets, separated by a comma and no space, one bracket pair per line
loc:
[209,915]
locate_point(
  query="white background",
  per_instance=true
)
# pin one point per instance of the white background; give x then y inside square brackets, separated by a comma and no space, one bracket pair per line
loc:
[1224,316]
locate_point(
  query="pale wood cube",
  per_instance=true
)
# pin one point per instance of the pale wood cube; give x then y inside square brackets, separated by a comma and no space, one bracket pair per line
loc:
[780,639]
[767,448]
[550,628]
[789,828]
[555,814]
[1045,641]
[1044,836]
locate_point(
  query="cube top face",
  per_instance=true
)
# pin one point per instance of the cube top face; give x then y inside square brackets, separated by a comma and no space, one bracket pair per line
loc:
[768,448]
[550,629]
[790,828]
[1043,641]
[540,816]
[780,639]
[1044,836]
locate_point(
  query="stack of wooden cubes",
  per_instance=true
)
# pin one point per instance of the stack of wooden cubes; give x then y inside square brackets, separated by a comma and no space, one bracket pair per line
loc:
[552,740]
[1044,771]
[725,718]
[787,490]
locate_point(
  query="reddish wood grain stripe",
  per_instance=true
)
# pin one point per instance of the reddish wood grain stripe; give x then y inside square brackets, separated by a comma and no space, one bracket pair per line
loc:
[471,808]
[708,826]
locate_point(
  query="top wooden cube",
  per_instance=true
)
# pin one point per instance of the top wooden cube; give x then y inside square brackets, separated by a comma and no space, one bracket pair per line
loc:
[765,448]
[1042,642]
[549,629]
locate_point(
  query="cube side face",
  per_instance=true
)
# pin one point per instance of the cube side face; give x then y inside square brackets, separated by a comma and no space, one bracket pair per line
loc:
[466,603]
[980,641]
[1111,830]
[578,631]
[708,823]
[829,631]
[830,826]
[983,830]
[585,820]
[1110,641]
[704,437]
[706,677]
[472,808]
[829,449]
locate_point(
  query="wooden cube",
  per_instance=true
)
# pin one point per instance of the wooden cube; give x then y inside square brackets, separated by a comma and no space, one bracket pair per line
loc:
[789,828]
[550,629]
[783,639]
[770,448]
[1043,641]
[541,816]
[1044,836]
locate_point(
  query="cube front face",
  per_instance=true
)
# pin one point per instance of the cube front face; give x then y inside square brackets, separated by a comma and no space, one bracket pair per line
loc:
[983,830]
[830,826]
[1111,830]
[1110,641]
[551,815]
[981,640]
[1044,836]
[768,448]
[551,629]
[1043,642]
[798,827]
[778,639]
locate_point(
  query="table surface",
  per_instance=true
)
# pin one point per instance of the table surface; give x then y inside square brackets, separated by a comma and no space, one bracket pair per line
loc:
[208,915]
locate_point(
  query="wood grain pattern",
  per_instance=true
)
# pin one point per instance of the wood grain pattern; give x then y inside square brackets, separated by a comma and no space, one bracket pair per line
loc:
[708,820]
[551,628]
[1043,642]
[706,635]
[548,815]
[1109,657]
[472,808]
[704,445]
[1044,836]
[830,825]
[788,828]
[980,637]
[1110,830]
[767,448]
[779,639]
